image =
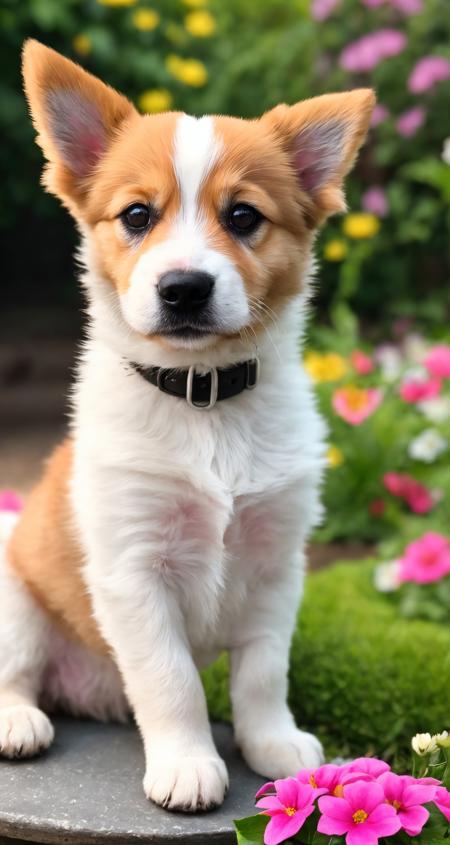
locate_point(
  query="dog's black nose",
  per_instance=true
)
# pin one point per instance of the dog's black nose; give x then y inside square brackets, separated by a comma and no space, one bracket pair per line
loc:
[185,290]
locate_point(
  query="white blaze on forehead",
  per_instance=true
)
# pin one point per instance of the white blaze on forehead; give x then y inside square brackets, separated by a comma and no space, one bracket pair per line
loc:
[196,149]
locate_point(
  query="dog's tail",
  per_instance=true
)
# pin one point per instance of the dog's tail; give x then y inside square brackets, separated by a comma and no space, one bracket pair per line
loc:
[10,507]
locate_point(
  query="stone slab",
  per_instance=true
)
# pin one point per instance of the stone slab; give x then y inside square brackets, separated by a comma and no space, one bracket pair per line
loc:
[87,790]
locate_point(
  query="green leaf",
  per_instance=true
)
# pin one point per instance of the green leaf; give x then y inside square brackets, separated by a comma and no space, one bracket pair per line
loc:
[436,830]
[432,172]
[321,839]
[250,831]
[345,323]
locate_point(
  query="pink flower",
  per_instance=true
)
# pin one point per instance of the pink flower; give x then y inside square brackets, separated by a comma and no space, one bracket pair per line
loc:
[266,789]
[324,779]
[442,801]
[329,778]
[425,781]
[362,814]
[420,389]
[375,201]
[407,799]
[410,121]
[355,404]
[396,483]
[10,501]
[288,809]
[437,361]
[415,494]
[379,114]
[322,9]
[361,362]
[427,72]
[367,52]
[426,560]
[370,766]
[408,7]
[420,499]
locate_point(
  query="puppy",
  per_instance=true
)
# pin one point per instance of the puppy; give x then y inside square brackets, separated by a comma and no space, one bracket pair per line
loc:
[170,524]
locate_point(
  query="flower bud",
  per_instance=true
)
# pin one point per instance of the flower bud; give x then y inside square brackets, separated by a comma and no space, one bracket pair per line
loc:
[442,740]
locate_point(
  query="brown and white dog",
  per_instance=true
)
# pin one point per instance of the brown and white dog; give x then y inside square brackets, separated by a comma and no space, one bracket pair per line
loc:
[163,532]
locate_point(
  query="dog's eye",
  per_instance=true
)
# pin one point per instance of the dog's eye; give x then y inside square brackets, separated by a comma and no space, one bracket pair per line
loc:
[243,219]
[137,217]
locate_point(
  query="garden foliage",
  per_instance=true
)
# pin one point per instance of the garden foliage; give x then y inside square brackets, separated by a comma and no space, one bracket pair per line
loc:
[389,427]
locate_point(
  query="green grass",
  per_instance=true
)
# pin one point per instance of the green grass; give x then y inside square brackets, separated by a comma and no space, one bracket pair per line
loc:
[363,678]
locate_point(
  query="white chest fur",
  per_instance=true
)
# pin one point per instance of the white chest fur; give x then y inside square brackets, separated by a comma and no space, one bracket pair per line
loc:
[209,497]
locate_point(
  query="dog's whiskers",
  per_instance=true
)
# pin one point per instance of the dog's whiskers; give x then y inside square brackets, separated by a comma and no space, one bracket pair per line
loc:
[258,318]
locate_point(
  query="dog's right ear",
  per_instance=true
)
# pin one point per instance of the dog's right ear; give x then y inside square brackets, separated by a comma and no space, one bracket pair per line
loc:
[76,117]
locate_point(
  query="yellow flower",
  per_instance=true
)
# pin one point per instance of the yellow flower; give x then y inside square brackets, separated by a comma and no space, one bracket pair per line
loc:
[335,250]
[327,367]
[155,100]
[117,2]
[361,225]
[335,457]
[190,71]
[194,4]
[201,24]
[82,44]
[145,19]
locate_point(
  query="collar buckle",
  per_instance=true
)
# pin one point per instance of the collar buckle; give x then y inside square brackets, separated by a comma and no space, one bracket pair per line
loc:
[205,406]
[253,368]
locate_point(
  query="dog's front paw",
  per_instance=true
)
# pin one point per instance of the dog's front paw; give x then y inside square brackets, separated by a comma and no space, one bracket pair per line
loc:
[24,731]
[186,783]
[283,754]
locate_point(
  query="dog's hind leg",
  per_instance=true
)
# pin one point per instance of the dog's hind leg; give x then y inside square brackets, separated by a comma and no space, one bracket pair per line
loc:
[24,630]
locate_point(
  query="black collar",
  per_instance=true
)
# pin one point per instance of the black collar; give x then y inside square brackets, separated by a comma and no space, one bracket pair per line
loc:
[203,390]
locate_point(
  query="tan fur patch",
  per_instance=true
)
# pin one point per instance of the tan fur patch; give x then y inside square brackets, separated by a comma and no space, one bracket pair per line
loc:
[44,552]
[255,169]
[137,168]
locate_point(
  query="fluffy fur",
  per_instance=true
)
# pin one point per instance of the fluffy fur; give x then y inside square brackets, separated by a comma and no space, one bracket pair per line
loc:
[160,534]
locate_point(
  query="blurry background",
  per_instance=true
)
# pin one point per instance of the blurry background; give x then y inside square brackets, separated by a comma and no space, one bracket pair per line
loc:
[384,267]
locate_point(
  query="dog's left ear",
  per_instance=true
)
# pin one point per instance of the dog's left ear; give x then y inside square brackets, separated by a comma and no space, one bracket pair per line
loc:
[76,116]
[322,137]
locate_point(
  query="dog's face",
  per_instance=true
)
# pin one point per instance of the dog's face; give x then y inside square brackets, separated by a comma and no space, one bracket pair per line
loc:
[203,227]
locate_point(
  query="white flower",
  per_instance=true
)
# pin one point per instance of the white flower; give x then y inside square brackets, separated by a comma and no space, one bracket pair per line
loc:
[415,348]
[424,744]
[442,739]
[436,410]
[427,446]
[386,578]
[446,151]
[390,361]
[416,374]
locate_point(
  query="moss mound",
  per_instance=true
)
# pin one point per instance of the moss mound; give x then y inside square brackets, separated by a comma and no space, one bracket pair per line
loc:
[364,679]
